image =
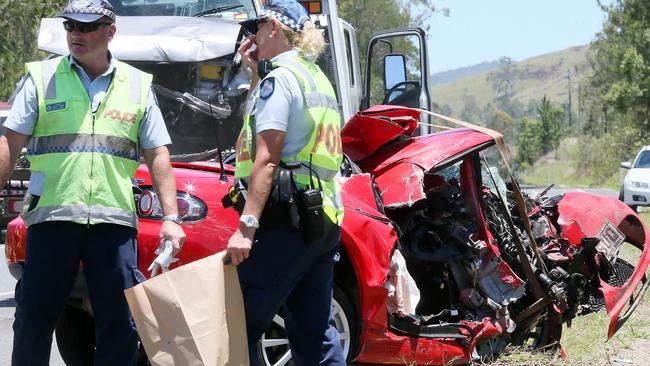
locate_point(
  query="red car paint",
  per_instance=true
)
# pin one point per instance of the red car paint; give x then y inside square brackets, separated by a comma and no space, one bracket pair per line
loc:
[582,214]
[396,163]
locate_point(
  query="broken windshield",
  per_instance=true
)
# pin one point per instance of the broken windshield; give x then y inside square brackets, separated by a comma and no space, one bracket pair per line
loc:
[232,9]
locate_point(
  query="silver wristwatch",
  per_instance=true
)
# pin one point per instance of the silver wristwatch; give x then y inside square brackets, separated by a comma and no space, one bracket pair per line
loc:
[174,218]
[249,221]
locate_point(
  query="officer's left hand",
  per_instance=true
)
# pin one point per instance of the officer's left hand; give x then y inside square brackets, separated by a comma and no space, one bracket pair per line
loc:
[239,245]
[163,260]
[173,232]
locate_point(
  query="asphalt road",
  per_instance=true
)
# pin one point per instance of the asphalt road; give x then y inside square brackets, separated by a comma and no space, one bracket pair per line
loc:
[561,190]
[7,284]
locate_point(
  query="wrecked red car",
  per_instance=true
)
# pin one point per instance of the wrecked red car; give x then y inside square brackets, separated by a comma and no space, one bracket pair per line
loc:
[438,265]
[443,260]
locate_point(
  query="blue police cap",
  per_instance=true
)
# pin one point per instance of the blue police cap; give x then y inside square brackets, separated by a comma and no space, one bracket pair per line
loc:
[287,12]
[88,11]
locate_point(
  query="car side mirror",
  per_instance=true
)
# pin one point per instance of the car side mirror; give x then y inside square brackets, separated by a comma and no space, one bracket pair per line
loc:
[626,165]
[394,70]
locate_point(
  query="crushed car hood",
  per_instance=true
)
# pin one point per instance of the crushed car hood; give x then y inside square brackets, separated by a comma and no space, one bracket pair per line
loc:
[380,142]
[157,39]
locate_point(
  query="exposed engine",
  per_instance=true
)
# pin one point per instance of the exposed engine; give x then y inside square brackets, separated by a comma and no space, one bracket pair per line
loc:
[466,271]
[200,102]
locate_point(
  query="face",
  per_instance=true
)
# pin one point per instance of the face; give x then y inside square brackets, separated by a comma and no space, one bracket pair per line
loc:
[87,47]
[264,38]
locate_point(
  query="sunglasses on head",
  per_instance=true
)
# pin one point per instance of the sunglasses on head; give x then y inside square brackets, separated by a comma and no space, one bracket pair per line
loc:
[83,27]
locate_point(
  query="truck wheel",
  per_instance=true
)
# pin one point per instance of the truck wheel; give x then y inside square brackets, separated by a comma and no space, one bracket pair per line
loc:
[75,337]
[274,346]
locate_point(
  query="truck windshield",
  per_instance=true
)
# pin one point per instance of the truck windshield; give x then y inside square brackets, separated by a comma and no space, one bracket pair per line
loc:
[232,9]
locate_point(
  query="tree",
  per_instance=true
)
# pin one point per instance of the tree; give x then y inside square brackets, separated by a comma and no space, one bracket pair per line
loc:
[529,142]
[504,123]
[470,111]
[614,103]
[503,81]
[550,117]
[618,93]
[18,36]
[370,16]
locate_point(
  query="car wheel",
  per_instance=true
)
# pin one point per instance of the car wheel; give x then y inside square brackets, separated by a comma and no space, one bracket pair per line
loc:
[621,195]
[274,347]
[75,337]
[547,333]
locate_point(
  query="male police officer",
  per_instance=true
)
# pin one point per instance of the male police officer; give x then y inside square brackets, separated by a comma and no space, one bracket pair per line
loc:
[289,143]
[87,115]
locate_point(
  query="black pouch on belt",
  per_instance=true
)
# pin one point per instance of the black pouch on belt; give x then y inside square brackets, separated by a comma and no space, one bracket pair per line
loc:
[312,220]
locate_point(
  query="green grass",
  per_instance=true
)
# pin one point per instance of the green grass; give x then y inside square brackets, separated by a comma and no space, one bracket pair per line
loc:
[560,167]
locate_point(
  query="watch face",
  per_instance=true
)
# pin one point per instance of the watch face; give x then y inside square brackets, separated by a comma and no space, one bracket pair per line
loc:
[249,221]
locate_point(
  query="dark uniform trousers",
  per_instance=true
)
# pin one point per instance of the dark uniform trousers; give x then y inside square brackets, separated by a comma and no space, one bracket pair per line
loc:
[286,274]
[54,249]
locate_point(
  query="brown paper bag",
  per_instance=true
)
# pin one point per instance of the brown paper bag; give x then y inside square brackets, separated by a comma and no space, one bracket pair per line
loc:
[192,315]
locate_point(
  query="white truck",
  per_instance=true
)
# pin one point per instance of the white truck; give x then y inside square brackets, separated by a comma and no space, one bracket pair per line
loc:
[190,46]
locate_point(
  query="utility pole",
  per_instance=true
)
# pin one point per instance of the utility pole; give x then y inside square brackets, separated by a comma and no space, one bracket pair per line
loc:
[568,75]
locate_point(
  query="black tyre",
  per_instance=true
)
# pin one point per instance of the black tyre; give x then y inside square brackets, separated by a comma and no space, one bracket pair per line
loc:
[75,337]
[621,195]
[544,335]
[274,347]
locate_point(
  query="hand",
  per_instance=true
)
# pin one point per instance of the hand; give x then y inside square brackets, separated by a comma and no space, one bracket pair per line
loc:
[171,231]
[239,245]
[249,57]
[163,260]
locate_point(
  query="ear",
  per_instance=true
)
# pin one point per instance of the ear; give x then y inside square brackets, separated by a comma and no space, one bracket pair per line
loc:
[275,27]
[111,31]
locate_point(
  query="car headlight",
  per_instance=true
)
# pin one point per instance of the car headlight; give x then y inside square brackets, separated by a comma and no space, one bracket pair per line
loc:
[639,185]
[190,208]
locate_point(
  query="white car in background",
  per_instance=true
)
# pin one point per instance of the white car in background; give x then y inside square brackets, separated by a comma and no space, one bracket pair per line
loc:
[636,185]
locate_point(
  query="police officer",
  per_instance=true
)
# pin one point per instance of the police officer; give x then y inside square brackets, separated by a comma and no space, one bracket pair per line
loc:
[85,115]
[292,117]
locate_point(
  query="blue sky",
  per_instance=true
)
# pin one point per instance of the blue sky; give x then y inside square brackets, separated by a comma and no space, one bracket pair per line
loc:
[484,30]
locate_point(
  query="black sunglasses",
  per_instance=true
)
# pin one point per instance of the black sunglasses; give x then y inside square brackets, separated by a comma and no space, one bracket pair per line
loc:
[252,27]
[83,27]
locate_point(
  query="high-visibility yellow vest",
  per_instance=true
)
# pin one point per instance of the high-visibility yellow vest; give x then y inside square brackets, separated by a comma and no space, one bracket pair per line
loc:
[88,159]
[323,152]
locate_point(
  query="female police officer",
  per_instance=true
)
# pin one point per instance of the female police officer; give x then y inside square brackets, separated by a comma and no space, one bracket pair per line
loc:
[292,117]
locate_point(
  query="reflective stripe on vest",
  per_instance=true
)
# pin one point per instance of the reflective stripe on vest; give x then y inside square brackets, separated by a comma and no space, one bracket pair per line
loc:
[87,158]
[323,149]
[111,145]
[100,214]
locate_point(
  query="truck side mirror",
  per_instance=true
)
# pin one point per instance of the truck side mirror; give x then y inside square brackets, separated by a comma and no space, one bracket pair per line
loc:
[626,165]
[394,70]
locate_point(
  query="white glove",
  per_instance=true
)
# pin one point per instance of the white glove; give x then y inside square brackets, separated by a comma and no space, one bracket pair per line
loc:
[163,260]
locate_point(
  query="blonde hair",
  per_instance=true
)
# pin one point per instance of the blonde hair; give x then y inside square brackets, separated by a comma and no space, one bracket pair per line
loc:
[309,41]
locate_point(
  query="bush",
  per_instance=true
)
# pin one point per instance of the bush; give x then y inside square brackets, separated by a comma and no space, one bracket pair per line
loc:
[597,160]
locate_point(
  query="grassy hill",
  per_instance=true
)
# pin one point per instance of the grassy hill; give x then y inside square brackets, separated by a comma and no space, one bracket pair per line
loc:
[545,74]
[455,74]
